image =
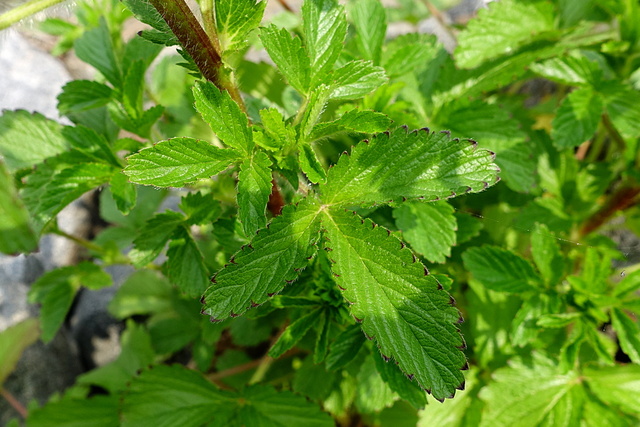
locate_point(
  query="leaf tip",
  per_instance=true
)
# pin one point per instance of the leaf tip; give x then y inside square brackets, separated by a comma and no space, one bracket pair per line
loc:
[461,386]
[214,320]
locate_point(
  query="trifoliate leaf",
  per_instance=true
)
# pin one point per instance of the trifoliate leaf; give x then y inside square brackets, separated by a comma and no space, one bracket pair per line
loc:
[224,116]
[262,268]
[324,27]
[95,47]
[617,386]
[27,139]
[80,95]
[153,236]
[310,164]
[502,28]
[235,19]
[353,121]
[185,264]
[345,348]
[16,233]
[254,188]
[546,254]
[174,395]
[430,228]
[355,79]
[295,332]
[177,162]
[13,341]
[408,165]
[577,118]
[500,269]
[628,333]
[73,412]
[289,56]
[399,305]
[370,20]
[408,52]
[524,394]
[399,383]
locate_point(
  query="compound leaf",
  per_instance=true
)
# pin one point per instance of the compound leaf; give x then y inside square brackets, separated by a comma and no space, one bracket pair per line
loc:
[262,268]
[177,162]
[254,188]
[400,306]
[405,164]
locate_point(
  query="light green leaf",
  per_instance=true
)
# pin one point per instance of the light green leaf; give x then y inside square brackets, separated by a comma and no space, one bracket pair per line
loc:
[621,103]
[310,164]
[546,254]
[16,233]
[372,394]
[574,69]
[502,28]
[95,47]
[370,21]
[133,88]
[408,52]
[577,118]
[629,284]
[289,56]
[254,188]
[418,164]
[224,116]
[185,265]
[274,126]
[235,19]
[144,292]
[295,332]
[177,162]
[345,348]
[124,193]
[617,386]
[90,143]
[355,79]
[325,29]
[524,394]
[13,341]
[500,269]
[430,228]
[315,106]
[597,414]
[559,320]
[399,383]
[81,95]
[353,121]
[262,268]
[399,305]
[456,411]
[146,13]
[174,395]
[153,236]
[628,333]
[27,139]
[73,412]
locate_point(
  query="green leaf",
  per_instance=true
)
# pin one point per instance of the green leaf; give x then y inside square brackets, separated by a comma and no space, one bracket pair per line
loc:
[13,341]
[501,270]
[617,386]
[45,195]
[124,193]
[314,381]
[185,265]
[621,103]
[224,116]
[502,28]
[314,108]
[287,53]
[628,333]
[144,292]
[418,164]
[274,126]
[136,353]
[353,121]
[395,379]
[27,139]
[146,13]
[325,28]
[200,208]
[408,52]
[55,291]
[262,268]
[559,320]
[397,302]
[177,162]
[73,412]
[235,19]
[430,228]
[310,164]
[345,348]
[629,284]
[294,332]
[153,236]
[546,254]
[16,233]
[355,79]
[95,47]
[133,88]
[254,188]
[174,395]
[459,412]
[524,394]
[597,414]
[370,21]
[577,118]
[81,95]
[372,394]
[90,143]
[574,69]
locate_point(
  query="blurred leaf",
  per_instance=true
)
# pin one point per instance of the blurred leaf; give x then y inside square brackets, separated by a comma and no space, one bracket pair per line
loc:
[13,341]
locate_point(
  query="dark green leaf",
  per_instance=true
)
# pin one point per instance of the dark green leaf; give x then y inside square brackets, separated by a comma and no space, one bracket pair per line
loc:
[88,142]
[345,348]
[144,292]
[74,412]
[185,264]
[200,208]
[295,332]
[254,188]
[153,236]
[577,118]
[80,95]
[628,333]
[501,270]
[124,193]
[398,382]
[95,47]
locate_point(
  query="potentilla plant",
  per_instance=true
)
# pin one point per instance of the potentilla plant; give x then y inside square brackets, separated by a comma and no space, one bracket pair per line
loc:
[328,214]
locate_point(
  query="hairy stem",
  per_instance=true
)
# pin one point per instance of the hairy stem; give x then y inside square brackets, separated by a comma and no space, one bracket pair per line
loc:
[25,10]
[624,198]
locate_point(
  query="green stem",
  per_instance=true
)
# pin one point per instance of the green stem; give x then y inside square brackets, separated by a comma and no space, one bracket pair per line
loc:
[25,10]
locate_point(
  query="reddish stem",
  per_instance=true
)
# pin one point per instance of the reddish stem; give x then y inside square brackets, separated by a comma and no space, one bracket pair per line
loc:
[19,407]
[622,199]
[276,202]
